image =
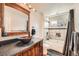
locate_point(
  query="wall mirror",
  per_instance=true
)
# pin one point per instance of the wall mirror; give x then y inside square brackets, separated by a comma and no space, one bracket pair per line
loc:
[16,20]
[59,20]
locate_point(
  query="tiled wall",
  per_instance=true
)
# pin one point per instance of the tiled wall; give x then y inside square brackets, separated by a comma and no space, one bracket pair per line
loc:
[56,41]
[57,34]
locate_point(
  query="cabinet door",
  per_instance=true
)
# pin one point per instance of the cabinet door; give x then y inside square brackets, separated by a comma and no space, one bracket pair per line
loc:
[37,53]
[41,48]
[19,54]
[35,50]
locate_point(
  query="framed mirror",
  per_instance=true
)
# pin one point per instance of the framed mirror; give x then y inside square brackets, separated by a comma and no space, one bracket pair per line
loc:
[16,20]
[59,20]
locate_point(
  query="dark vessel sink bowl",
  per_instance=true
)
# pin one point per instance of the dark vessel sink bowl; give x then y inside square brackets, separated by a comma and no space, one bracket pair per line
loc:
[24,40]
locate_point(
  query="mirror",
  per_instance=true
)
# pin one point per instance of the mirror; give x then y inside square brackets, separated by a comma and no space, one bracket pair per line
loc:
[59,20]
[14,21]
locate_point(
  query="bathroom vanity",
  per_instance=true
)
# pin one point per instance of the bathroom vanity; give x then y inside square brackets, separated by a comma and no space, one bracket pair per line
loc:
[14,24]
[33,48]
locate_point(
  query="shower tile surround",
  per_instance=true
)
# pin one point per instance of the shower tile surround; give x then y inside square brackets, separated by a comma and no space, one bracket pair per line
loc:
[56,39]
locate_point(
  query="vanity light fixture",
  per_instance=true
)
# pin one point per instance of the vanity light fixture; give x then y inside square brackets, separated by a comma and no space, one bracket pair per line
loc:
[30,6]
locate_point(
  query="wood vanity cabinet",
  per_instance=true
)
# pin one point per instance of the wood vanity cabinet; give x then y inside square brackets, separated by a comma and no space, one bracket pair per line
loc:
[35,50]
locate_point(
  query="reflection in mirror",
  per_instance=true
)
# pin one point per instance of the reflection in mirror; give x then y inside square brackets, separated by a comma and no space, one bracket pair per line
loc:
[14,20]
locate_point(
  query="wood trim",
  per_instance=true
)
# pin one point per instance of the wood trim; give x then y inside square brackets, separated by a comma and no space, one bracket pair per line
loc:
[29,24]
[1,17]
[19,8]
[16,6]
[16,33]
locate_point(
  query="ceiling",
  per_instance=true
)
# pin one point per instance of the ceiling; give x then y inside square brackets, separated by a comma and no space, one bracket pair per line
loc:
[48,8]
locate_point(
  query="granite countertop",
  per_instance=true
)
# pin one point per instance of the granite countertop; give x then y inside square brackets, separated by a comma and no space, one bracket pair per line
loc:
[12,49]
[11,37]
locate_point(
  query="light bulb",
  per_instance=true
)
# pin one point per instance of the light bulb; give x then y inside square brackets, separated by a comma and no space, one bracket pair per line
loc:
[30,6]
[33,9]
[24,3]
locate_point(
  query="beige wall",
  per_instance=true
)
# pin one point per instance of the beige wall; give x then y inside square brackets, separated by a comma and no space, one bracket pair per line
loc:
[36,20]
[76,17]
